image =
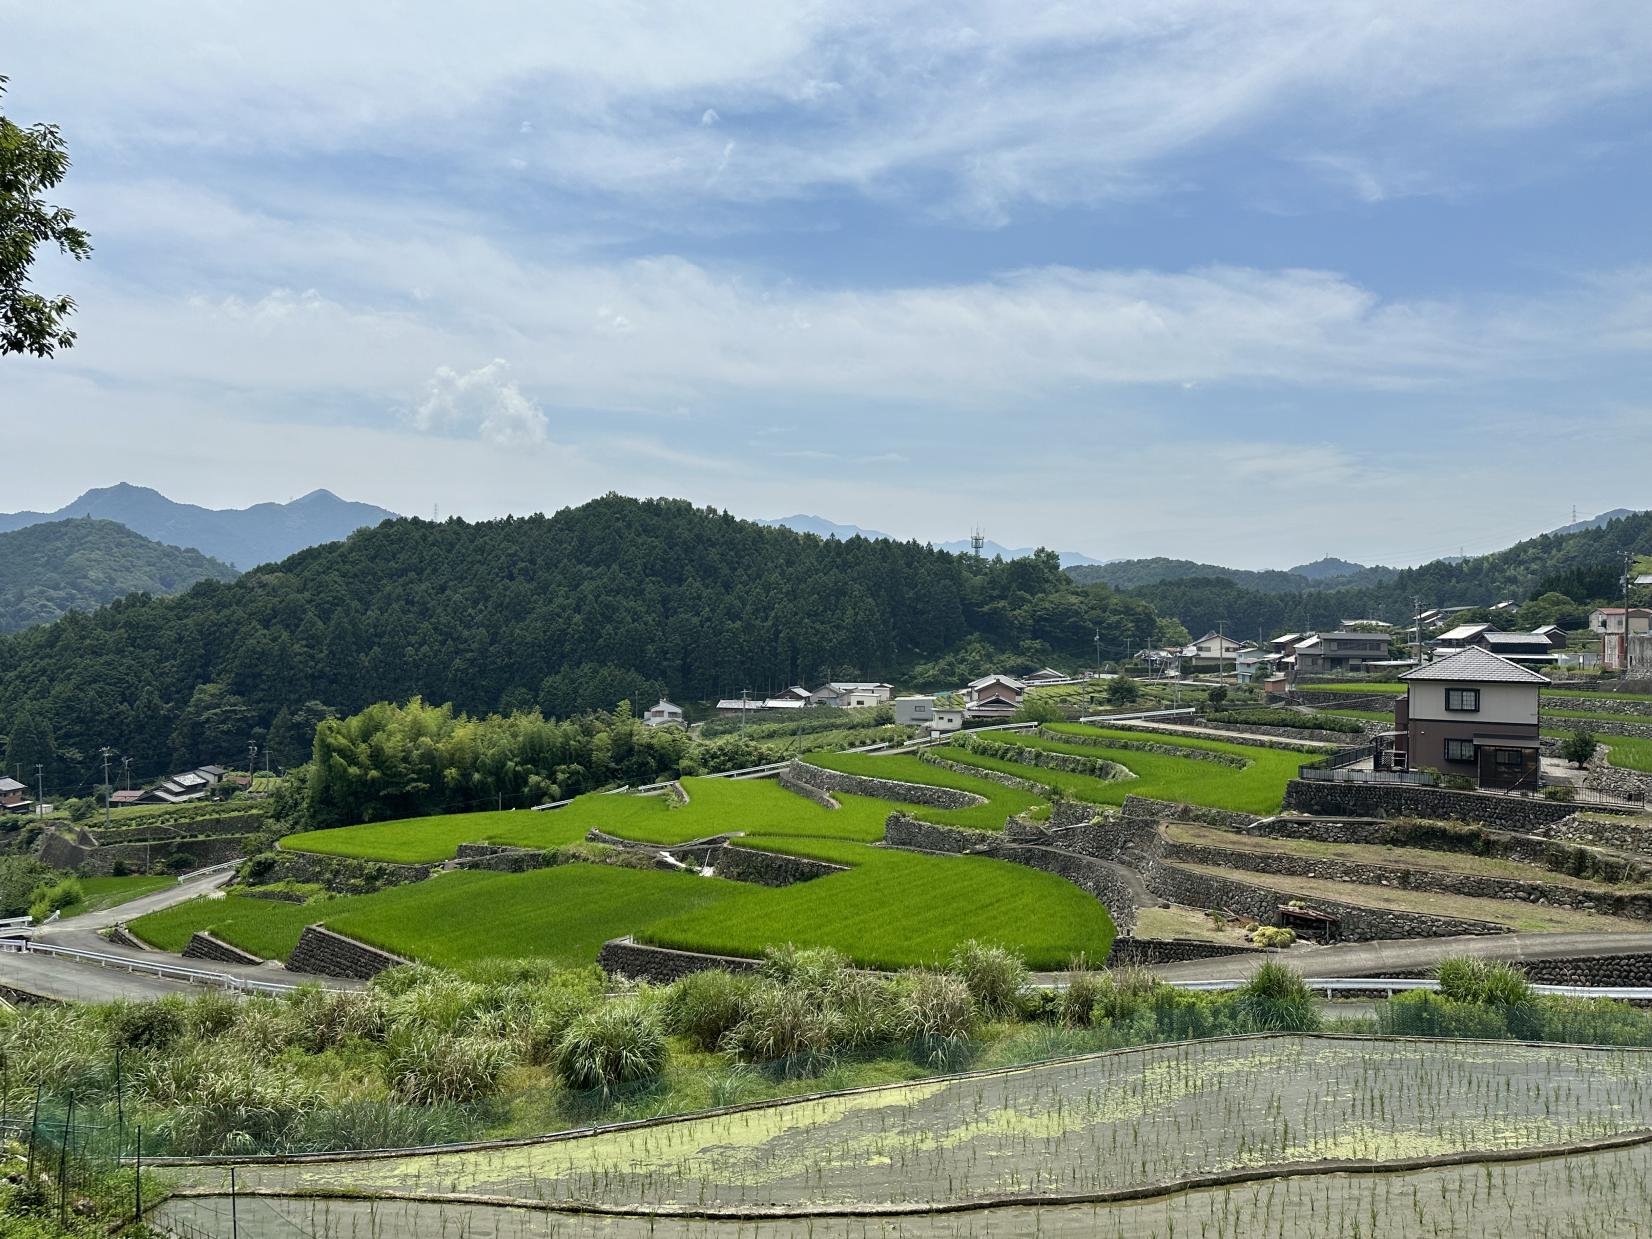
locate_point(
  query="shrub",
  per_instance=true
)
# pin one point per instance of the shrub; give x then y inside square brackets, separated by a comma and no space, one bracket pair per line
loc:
[1124,993]
[1457,783]
[237,1106]
[994,975]
[784,1023]
[1077,1005]
[1276,999]
[1272,936]
[1122,690]
[934,1007]
[147,1025]
[1217,695]
[815,968]
[617,1043]
[1579,746]
[1559,791]
[54,898]
[704,1006]
[864,1008]
[429,1066]
[1490,982]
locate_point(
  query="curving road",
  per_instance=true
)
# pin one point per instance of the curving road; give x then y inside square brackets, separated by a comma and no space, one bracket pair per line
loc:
[69,980]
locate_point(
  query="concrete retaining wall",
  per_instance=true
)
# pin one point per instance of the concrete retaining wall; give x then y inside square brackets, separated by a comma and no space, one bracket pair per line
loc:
[324,953]
[203,945]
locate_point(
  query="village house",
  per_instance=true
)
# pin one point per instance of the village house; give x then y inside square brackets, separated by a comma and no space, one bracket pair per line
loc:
[1045,675]
[1615,625]
[663,714]
[911,711]
[848,694]
[993,696]
[1213,650]
[1251,665]
[1337,652]
[14,796]
[1554,634]
[1472,713]
[947,719]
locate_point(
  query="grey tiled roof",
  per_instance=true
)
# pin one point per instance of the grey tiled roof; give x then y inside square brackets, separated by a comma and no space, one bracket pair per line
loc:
[1475,665]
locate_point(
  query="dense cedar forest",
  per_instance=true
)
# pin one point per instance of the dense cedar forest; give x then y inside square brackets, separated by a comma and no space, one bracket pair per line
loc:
[616,599]
[76,565]
[1586,566]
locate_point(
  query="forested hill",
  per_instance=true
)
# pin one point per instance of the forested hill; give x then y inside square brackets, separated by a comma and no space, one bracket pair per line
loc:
[1325,574]
[618,598]
[75,565]
[1585,566]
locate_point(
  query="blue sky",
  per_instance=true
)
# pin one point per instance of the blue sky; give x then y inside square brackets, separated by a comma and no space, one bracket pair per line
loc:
[1247,282]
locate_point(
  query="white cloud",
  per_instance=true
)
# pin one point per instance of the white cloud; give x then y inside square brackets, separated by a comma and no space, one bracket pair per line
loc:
[709,117]
[483,402]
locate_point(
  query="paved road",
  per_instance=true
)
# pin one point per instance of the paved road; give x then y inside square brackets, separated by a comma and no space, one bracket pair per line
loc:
[72,980]
[1373,959]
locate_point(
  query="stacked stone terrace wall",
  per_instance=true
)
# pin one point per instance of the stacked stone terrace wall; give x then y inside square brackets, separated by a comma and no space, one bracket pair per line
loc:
[184,828]
[1633,970]
[1166,749]
[1407,800]
[339,874]
[203,945]
[1132,952]
[1621,834]
[933,757]
[1177,811]
[661,965]
[324,953]
[64,853]
[1469,886]
[1629,707]
[769,868]
[1556,855]
[1359,923]
[1325,736]
[1268,742]
[496,858]
[794,784]
[883,789]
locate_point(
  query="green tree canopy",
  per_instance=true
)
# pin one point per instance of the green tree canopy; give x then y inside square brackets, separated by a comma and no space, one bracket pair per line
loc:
[33,161]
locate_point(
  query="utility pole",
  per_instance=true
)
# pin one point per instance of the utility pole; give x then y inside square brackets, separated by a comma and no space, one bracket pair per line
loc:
[1416,630]
[1098,651]
[252,760]
[107,752]
[1623,649]
[1221,654]
[745,708]
[40,790]
[126,769]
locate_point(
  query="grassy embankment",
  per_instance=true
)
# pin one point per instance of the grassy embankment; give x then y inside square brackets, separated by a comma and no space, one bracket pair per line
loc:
[99,894]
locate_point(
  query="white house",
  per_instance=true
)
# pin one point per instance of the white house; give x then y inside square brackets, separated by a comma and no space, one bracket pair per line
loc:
[1212,650]
[1046,675]
[912,711]
[947,719]
[663,714]
[847,694]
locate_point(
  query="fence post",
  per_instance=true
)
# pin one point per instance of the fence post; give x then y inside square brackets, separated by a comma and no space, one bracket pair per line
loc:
[234,1221]
[34,1121]
[137,1178]
[120,1105]
[63,1164]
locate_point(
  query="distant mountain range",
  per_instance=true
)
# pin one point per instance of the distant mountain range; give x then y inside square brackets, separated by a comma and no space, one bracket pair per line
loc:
[831,529]
[76,565]
[1322,574]
[1595,522]
[243,537]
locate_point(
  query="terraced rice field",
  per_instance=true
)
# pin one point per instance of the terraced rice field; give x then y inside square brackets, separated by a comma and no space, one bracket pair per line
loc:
[1258,787]
[1603,1195]
[1089,1129]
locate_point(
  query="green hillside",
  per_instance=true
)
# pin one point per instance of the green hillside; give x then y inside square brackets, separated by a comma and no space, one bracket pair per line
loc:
[49,569]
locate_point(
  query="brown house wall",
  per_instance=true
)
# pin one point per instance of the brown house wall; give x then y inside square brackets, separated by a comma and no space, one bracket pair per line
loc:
[1426,740]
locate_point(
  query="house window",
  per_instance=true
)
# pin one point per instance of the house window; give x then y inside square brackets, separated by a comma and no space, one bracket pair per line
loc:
[1459,750]
[1508,757]
[1466,699]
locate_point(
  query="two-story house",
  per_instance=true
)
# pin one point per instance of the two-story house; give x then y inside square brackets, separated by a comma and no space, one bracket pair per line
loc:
[1473,713]
[1340,652]
[14,796]
[1213,650]
[993,696]
[663,714]
[1615,626]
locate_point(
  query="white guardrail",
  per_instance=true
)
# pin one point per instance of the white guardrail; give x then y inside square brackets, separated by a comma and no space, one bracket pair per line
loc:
[154,968]
[1331,987]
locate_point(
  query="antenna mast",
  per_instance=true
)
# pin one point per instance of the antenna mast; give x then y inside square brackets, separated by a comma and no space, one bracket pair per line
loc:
[977,540]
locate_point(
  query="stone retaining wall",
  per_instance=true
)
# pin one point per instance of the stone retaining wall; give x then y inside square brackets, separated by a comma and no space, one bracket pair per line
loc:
[1466,885]
[203,945]
[186,828]
[1556,855]
[121,936]
[769,868]
[1620,834]
[342,875]
[883,789]
[1602,776]
[810,792]
[1145,746]
[1591,970]
[497,858]
[902,831]
[1132,952]
[661,965]
[1177,811]
[1170,737]
[1360,923]
[1631,707]
[931,757]
[1408,800]
[1049,759]
[1349,738]
[324,953]
[63,853]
